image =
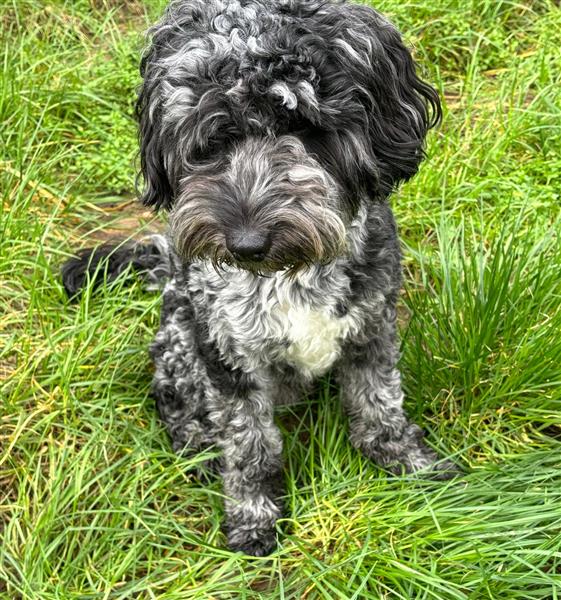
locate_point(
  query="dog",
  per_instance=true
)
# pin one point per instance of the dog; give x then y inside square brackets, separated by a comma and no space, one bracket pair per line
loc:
[272,132]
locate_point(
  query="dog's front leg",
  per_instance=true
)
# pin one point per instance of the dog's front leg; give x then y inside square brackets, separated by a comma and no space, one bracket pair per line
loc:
[252,472]
[372,396]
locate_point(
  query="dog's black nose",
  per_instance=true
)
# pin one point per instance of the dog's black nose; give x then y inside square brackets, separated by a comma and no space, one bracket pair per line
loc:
[249,245]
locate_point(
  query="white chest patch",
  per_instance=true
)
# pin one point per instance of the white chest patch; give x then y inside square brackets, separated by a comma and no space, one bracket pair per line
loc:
[315,337]
[259,322]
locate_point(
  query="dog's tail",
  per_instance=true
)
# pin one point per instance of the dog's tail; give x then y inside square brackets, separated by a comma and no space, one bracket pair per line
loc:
[149,258]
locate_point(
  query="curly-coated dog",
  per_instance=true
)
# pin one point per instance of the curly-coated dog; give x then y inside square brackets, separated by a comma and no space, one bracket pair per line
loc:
[273,133]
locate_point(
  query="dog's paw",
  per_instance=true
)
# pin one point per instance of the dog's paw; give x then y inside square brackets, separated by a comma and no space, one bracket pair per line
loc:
[438,469]
[253,542]
[409,454]
[443,470]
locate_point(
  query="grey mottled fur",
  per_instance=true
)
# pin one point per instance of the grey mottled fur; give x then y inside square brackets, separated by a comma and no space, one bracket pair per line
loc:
[273,133]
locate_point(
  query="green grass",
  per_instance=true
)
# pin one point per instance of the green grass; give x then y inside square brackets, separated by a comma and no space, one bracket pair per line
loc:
[93,504]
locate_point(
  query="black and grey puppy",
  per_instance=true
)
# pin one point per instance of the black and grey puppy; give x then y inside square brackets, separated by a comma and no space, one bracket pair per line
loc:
[273,133]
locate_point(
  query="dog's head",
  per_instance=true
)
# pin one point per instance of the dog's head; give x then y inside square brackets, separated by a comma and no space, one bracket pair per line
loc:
[264,126]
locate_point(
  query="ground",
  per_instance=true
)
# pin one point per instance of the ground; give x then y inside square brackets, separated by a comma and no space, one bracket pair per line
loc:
[93,504]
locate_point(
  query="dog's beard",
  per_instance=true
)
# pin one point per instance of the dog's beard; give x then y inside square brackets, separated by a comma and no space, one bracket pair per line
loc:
[301,236]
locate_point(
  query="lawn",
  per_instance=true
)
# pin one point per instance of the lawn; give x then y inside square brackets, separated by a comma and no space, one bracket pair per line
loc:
[93,504]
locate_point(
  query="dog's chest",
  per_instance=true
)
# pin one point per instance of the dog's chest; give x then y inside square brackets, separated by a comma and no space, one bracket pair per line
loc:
[312,337]
[275,322]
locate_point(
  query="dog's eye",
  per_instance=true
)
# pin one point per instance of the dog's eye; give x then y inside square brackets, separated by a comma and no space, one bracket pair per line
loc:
[207,153]
[212,151]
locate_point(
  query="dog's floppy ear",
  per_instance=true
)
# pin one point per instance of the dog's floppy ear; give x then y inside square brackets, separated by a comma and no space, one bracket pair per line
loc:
[376,100]
[158,189]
